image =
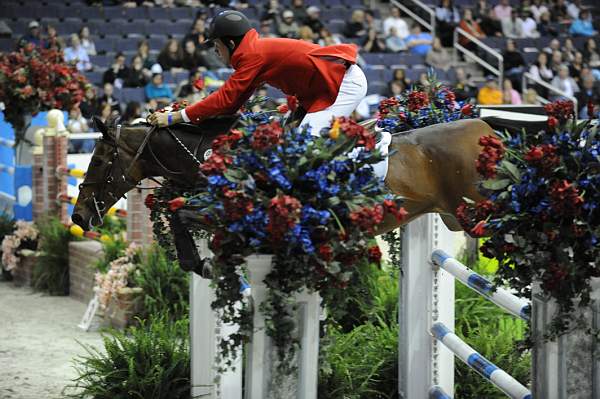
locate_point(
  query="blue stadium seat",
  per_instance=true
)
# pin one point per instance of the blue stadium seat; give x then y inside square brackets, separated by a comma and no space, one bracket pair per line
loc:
[157,14]
[136,13]
[129,94]
[95,77]
[157,43]
[101,61]
[89,13]
[354,3]
[115,27]
[336,25]
[135,28]
[128,44]
[332,3]
[68,27]
[96,26]
[112,13]
[377,87]
[160,28]
[372,58]
[180,28]
[181,76]
[7,44]
[179,13]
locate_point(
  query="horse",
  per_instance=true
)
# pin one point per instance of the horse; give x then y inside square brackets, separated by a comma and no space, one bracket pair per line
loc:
[431,168]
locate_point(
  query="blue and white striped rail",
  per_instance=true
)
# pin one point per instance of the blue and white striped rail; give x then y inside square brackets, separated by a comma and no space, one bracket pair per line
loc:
[480,364]
[501,297]
[437,392]
[7,168]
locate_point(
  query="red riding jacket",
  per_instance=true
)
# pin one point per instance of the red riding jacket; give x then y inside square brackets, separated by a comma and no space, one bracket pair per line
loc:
[308,71]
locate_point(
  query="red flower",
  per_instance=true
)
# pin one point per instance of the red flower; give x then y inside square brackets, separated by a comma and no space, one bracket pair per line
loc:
[266,136]
[283,108]
[354,130]
[565,197]
[590,109]
[326,252]
[552,122]
[479,229]
[176,203]
[284,212]
[374,254]
[236,204]
[150,201]
[215,164]
[387,105]
[492,153]
[391,207]
[534,154]
[199,84]
[561,110]
[292,103]
[225,141]
[367,218]
[544,157]
[417,100]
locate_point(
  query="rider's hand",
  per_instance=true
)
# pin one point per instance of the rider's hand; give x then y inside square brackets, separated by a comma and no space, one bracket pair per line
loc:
[162,118]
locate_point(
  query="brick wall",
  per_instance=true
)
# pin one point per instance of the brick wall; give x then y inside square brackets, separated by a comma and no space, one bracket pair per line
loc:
[82,257]
[23,273]
[54,156]
[38,185]
[139,226]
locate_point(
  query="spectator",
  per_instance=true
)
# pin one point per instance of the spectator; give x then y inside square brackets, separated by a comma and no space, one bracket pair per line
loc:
[419,42]
[171,57]
[133,111]
[158,90]
[393,42]
[552,47]
[193,91]
[447,18]
[559,11]
[143,50]
[373,43]
[136,77]
[481,10]
[438,57]
[106,111]
[394,20]
[511,27]
[576,67]
[556,61]
[589,94]
[503,10]
[469,25]
[395,88]
[266,29]
[463,88]
[356,27]
[191,56]
[272,11]
[490,94]
[89,105]
[117,73]
[537,9]
[564,82]
[528,25]
[574,8]
[490,25]
[198,32]
[76,123]
[545,26]
[299,10]
[583,25]
[313,19]
[510,95]
[109,98]
[34,36]
[531,97]
[540,69]
[590,53]
[287,27]
[424,80]
[77,54]
[514,64]
[328,38]
[372,22]
[53,41]
[86,41]
[306,34]
[569,50]
[399,75]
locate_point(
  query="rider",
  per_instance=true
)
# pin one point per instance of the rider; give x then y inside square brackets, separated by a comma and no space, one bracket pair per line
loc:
[326,80]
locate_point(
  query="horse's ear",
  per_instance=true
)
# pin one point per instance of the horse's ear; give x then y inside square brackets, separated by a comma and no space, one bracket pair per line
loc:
[100,126]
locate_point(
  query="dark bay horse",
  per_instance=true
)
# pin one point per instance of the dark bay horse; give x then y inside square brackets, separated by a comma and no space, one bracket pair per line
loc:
[433,168]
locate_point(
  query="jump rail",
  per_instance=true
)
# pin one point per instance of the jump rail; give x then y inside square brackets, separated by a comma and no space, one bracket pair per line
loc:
[67,199]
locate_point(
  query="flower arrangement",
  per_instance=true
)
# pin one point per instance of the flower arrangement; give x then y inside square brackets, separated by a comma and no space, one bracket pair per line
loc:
[541,211]
[423,106]
[34,79]
[119,276]
[24,237]
[272,188]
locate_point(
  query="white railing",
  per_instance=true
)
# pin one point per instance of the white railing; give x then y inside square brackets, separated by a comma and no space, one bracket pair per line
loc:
[498,71]
[529,77]
[429,25]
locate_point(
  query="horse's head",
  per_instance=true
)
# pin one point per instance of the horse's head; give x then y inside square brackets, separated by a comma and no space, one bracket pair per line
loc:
[109,176]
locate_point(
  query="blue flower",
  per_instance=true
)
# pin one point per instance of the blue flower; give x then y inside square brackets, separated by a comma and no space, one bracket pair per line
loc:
[278,177]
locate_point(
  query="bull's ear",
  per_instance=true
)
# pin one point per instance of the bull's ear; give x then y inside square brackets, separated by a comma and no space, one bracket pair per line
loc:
[100,126]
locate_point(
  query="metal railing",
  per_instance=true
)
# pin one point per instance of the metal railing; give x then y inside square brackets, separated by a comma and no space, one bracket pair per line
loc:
[430,25]
[498,71]
[529,77]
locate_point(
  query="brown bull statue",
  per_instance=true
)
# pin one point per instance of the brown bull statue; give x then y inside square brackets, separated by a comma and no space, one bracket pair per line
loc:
[433,168]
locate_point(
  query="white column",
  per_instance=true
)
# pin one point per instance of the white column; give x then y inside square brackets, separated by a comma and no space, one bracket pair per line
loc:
[426,297]
[204,335]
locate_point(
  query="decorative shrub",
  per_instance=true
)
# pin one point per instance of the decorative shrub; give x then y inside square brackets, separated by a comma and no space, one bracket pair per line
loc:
[51,272]
[25,236]
[119,275]
[7,226]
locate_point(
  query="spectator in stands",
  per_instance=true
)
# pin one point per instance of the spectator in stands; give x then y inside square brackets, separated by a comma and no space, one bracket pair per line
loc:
[423,80]
[356,27]
[528,25]
[136,77]
[77,123]
[198,32]
[481,10]
[133,111]
[569,50]
[447,18]
[490,94]
[419,42]
[287,27]
[545,26]
[395,88]
[53,40]
[328,38]
[106,111]
[538,8]
[576,67]
[373,22]
[86,41]
[266,29]
[313,19]
[394,20]
[531,97]
[590,53]
[299,10]
[469,25]
[511,27]
[373,43]
[463,88]
[583,25]
[503,10]
[89,105]
[393,42]
[552,47]
[193,91]
[399,75]
[34,36]
[510,95]
[559,11]
[438,57]
[191,56]
[77,54]
[514,64]
[272,11]
[589,94]
[491,25]
[306,34]
[564,82]
[540,69]
[143,50]
[171,57]
[109,98]
[574,8]
[117,73]
[158,90]
[556,61]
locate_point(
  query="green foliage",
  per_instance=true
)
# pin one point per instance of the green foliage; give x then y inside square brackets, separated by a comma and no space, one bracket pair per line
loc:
[149,361]
[165,284]
[113,249]
[112,225]
[51,271]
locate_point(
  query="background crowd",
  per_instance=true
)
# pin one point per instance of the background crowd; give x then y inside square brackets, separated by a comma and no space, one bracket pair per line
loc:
[141,55]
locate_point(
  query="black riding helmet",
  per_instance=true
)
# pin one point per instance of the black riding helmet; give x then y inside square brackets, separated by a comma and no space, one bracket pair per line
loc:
[228,24]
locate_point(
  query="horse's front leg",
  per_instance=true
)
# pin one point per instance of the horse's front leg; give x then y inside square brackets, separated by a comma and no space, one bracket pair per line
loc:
[187,251]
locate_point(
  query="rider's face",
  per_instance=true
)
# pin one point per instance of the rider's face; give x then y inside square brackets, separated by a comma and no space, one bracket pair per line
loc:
[222,51]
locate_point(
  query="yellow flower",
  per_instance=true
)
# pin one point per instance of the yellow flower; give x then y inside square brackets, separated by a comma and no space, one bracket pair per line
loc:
[105,239]
[76,230]
[334,132]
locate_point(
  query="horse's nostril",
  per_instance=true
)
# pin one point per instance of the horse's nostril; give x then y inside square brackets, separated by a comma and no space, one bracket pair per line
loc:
[78,220]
